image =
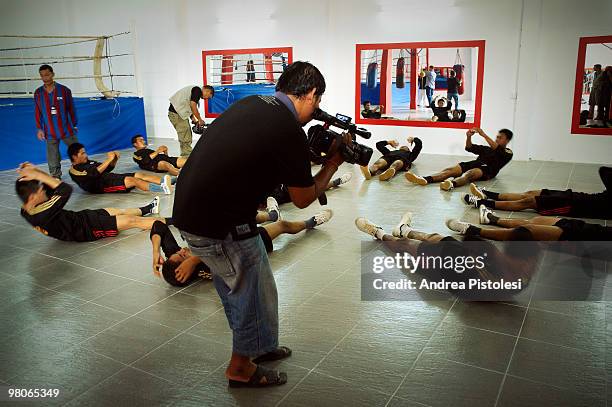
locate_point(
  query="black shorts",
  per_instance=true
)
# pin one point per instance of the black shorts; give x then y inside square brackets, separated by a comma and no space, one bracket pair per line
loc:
[113,183]
[391,158]
[266,239]
[579,230]
[487,171]
[552,202]
[161,157]
[98,224]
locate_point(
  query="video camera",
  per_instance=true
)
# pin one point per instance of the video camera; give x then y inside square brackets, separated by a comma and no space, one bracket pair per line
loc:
[321,139]
[198,129]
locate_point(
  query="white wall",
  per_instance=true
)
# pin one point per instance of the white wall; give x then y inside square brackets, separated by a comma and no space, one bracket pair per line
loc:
[530,52]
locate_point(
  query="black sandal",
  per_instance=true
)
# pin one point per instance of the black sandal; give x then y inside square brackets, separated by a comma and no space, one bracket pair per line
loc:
[279,353]
[273,378]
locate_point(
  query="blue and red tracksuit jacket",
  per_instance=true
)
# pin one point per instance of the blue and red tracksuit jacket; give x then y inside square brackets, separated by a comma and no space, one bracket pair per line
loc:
[62,124]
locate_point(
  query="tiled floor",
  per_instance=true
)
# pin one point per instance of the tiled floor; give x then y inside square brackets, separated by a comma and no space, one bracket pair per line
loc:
[92,320]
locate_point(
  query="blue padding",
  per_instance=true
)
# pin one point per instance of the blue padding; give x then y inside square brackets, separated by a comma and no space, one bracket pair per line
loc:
[227,94]
[399,96]
[104,125]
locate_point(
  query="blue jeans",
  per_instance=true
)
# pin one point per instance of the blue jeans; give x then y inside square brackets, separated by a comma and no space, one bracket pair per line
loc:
[54,158]
[455,97]
[429,92]
[244,281]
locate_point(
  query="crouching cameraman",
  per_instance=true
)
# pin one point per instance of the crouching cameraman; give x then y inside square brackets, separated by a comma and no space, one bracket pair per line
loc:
[255,145]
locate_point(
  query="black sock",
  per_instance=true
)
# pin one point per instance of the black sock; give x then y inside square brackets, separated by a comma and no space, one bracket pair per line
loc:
[310,223]
[493,219]
[473,231]
[336,182]
[273,215]
[454,184]
[491,195]
[169,221]
[429,179]
[489,203]
[145,210]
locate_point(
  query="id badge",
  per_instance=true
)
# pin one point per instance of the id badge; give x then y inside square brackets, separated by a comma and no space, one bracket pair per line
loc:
[53,110]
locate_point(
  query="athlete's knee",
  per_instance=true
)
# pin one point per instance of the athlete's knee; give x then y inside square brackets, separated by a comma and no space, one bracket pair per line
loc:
[533,193]
[474,174]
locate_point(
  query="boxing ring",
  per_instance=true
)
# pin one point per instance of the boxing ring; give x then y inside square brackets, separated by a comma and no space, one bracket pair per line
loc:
[103,83]
[238,73]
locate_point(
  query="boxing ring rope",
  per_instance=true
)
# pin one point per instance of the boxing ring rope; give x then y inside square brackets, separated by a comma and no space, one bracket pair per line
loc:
[102,44]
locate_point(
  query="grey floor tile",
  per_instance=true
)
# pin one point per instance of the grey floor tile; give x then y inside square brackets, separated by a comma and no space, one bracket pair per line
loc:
[136,336]
[438,382]
[322,390]
[587,332]
[181,311]
[471,346]
[185,360]
[576,371]
[80,370]
[131,387]
[496,317]
[134,297]
[524,393]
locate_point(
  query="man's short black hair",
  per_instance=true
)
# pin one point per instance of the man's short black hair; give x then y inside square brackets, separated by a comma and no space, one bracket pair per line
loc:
[169,273]
[45,67]
[26,188]
[452,73]
[597,66]
[431,66]
[136,137]
[507,133]
[365,102]
[299,78]
[211,89]
[73,149]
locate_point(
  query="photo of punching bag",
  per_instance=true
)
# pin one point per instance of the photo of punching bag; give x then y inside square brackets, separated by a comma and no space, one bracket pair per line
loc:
[372,72]
[399,73]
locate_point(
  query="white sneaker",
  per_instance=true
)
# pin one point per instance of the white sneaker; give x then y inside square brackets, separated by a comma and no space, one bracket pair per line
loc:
[272,205]
[446,185]
[477,191]
[484,215]
[155,203]
[366,172]
[368,227]
[403,227]
[415,179]
[166,184]
[471,200]
[345,178]
[457,226]
[323,216]
[387,175]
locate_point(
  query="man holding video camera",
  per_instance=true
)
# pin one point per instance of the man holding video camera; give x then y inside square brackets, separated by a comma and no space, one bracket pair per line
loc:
[255,145]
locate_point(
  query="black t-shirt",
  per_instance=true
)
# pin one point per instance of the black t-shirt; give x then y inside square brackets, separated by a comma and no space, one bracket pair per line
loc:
[86,175]
[598,206]
[495,159]
[441,112]
[143,158]
[453,85]
[392,154]
[254,146]
[168,242]
[52,220]
[370,114]
[196,95]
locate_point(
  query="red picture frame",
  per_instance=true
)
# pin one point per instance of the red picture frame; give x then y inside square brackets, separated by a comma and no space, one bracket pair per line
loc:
[479,44]
[288,50]
[578,87]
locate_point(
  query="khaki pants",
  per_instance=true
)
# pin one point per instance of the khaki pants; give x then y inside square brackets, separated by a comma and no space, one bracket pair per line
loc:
[183,130]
